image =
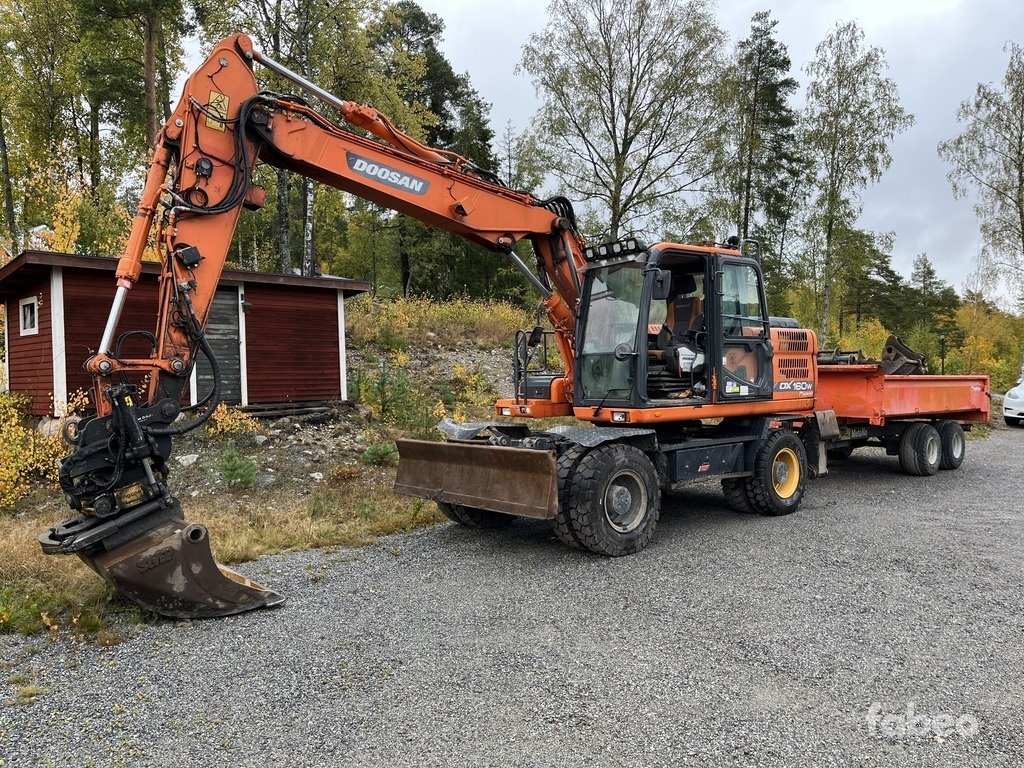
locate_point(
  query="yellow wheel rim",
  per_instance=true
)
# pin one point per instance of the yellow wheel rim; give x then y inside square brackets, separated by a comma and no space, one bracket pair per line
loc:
[785,473]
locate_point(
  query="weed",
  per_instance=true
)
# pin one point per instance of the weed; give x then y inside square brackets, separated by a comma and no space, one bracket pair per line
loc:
[323,503]
[27,694]
[231,422]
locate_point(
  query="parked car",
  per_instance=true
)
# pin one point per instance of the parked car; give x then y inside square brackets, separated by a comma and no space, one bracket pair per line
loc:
[1013,404]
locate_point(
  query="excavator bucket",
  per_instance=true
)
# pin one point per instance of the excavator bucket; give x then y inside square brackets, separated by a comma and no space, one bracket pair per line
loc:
[516,481]
[160,562]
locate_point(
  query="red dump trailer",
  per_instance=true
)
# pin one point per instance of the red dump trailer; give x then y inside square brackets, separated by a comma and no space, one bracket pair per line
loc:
[918,418]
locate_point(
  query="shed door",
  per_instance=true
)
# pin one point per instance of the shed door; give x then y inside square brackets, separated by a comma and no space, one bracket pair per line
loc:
[222,333]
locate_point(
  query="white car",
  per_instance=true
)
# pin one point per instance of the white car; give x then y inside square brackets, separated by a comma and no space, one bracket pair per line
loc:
[1013,404]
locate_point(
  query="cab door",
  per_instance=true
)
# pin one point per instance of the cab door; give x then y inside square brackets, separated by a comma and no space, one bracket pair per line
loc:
[744,367]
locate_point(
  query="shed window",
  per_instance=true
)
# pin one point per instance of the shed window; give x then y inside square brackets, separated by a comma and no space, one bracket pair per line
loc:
[29,313]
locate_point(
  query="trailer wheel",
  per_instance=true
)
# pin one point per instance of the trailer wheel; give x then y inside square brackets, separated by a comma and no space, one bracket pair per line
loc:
[561,524]
[614,500]
[780,474]
[472,517]
[953,443]
[735,491]
[920,450]
[841,453]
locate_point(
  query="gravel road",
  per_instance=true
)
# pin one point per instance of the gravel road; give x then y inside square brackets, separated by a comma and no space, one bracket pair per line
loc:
[882,624]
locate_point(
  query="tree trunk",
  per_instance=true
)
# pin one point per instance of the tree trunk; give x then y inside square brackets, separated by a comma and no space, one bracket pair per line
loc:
[95,172]
[308,263]
[5,173]
[151,32]
[284,249]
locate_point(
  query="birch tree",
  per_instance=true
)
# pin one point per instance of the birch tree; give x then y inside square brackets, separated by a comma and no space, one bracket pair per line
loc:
[987,159]
[629,111]
[852,114]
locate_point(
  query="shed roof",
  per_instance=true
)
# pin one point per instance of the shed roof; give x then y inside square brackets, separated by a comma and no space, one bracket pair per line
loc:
[29,266]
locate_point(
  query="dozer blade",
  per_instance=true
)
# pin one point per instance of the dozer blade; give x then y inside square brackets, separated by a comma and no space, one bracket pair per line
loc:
[516,481]
[160,562]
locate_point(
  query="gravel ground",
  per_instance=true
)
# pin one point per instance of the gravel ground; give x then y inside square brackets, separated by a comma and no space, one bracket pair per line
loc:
[809,640]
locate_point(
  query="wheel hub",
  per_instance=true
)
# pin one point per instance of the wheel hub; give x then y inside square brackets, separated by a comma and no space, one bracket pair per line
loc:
[625,502]
[621,500]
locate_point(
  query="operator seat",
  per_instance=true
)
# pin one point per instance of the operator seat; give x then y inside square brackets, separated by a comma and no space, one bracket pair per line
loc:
[684,314]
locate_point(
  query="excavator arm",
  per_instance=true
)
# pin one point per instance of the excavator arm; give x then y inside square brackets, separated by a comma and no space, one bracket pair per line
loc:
[129,527]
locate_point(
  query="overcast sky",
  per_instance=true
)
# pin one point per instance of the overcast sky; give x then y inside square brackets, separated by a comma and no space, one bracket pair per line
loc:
[937,52]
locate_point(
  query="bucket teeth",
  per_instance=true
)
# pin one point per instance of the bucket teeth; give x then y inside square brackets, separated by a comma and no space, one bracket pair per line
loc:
[167,568]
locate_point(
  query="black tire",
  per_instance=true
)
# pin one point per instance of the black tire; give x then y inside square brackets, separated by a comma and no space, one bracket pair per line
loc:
[920,450]
[561,524]
[614,500]
[953,443]
[472,517]
[735,491]
[780,474]
[1011,421]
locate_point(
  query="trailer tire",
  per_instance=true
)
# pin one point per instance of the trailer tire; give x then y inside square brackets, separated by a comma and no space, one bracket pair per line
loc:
[735,491]
[953,443]
[472,517]
[780,474]
[842,453]
[614,500]
[920,450]
[561,523]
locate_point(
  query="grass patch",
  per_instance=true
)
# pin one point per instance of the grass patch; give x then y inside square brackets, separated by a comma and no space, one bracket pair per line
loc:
[61,596]
[397,324]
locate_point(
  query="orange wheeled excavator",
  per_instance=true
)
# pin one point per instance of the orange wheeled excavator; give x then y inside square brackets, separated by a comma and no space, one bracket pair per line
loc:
[673,368]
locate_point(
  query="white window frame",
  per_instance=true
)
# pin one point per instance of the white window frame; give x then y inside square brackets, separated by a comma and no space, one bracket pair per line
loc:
[32,301]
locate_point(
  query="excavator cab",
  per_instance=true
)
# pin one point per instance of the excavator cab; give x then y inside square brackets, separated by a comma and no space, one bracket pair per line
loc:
[684,324]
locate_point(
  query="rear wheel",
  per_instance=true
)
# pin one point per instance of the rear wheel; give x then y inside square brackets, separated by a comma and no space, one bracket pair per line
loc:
[614,500]
[953,444]
[472,517]
[1011,421]
[920,450]
[780,474]
[735,491]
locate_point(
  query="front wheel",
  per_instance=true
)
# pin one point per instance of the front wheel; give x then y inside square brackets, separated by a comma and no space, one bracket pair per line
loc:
[614,500]
[472,517]
[780,474]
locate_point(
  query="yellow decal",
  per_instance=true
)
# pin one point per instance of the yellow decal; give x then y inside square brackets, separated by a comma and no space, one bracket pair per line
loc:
[217,111]
[129,402]
[131,495]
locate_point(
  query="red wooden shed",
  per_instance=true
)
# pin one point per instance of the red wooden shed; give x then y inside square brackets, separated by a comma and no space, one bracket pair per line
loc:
[278,338]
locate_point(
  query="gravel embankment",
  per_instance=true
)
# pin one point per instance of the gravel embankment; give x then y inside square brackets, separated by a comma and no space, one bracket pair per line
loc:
[733,640]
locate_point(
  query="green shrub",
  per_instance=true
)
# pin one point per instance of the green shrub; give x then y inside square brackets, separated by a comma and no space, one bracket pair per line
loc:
[237,469]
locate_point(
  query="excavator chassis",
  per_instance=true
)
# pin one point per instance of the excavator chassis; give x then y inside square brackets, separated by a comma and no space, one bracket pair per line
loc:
[157,560]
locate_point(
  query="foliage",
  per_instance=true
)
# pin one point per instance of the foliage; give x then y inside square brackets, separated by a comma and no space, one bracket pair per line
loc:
[988,160]
[628,110]
[239,471]
[852,114]
[26,456]
[381,454]
[231,422]
[397,323]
